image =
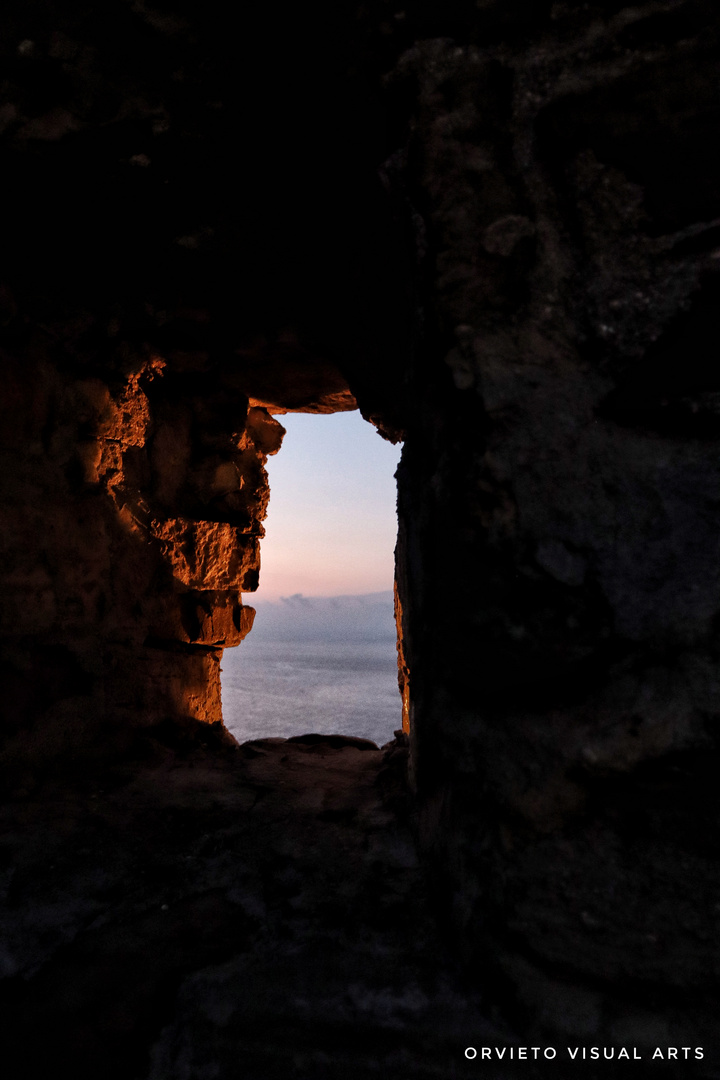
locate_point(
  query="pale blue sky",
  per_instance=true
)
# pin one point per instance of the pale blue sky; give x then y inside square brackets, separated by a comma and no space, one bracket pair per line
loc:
[332,522]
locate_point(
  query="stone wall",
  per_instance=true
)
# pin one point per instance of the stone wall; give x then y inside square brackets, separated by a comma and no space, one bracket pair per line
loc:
[494,225]
[158,296]
[559,506]
[132,526]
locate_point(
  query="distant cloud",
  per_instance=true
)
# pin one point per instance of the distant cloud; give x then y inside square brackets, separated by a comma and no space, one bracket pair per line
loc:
[367,617]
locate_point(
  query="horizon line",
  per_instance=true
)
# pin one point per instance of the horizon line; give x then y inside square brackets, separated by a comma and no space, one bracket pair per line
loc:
[250,597]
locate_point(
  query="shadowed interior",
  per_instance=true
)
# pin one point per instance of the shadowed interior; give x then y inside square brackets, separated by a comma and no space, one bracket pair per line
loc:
[493,226]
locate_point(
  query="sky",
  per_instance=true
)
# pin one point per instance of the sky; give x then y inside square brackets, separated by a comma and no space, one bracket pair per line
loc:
[332,522]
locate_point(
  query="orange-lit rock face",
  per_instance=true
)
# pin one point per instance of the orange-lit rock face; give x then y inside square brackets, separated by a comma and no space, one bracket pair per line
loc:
[208,554]
[137,515]
[403,668]
[177,266]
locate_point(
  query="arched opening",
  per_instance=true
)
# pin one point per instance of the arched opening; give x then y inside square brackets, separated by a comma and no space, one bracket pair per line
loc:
[322,653]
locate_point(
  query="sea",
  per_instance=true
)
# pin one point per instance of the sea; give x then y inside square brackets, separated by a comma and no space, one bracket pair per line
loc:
[315,664]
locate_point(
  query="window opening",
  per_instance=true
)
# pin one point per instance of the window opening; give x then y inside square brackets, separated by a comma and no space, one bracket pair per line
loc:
[321,655]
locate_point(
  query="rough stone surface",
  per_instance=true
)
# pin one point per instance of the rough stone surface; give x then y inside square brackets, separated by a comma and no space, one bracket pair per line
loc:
[114,607]
[265,906]
[560,478]
[494,225]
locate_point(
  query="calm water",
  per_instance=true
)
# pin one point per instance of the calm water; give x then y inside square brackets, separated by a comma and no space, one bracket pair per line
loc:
[284,688]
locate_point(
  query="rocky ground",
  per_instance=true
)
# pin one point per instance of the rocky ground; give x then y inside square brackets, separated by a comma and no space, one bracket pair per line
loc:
[213,912]
[256,911]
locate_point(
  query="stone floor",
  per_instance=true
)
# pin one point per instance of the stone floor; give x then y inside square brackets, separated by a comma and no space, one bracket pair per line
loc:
[221,912]
[251,912]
